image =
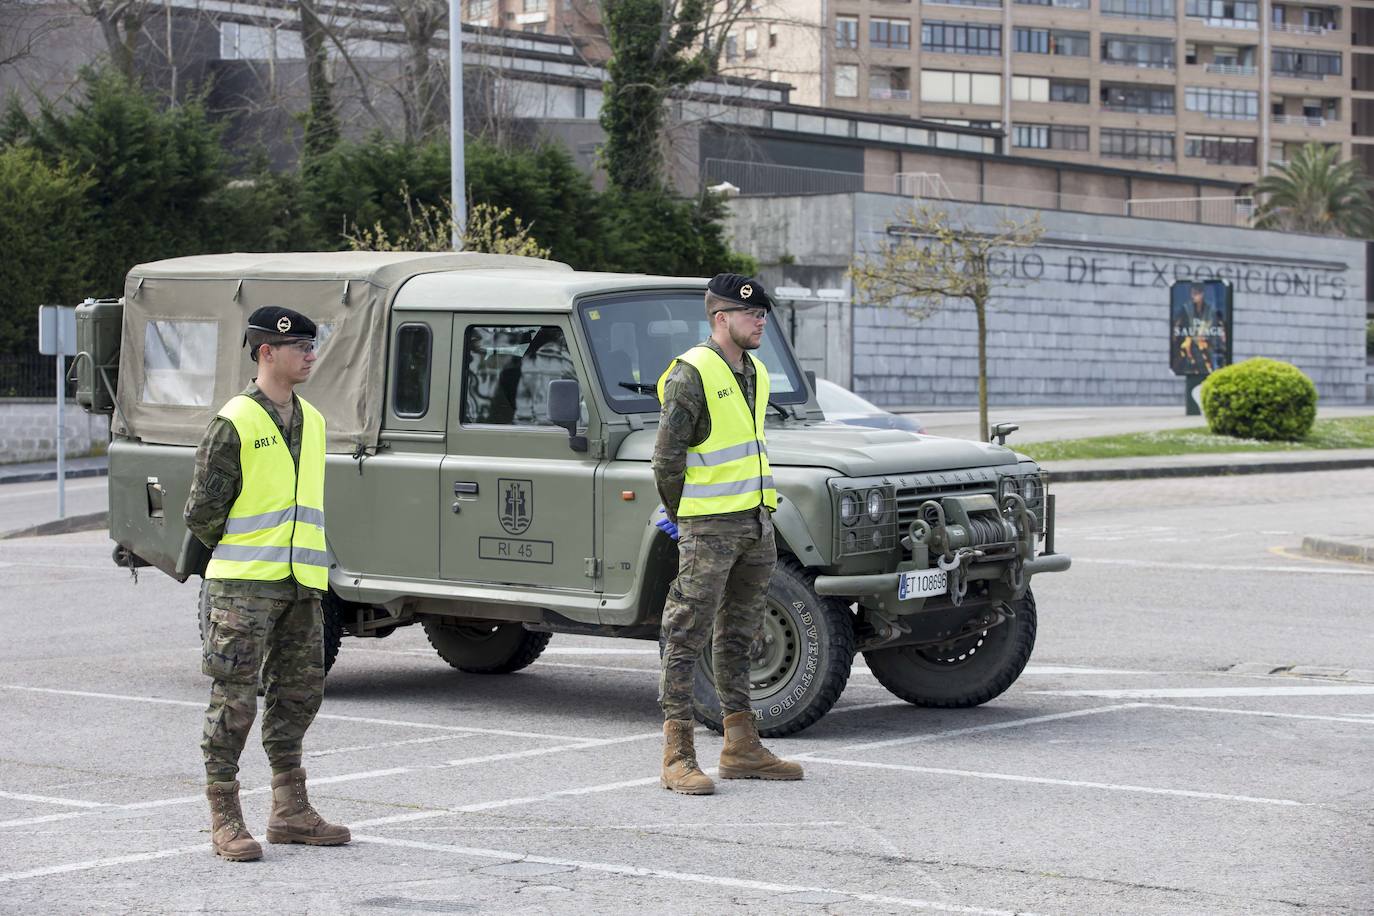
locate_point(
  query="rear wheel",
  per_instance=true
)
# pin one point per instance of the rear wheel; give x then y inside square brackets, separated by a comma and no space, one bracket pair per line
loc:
[485,648]
[800,665]
[964,672]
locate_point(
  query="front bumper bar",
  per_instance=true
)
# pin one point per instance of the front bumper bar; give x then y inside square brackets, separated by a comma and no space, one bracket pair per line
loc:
[883,583]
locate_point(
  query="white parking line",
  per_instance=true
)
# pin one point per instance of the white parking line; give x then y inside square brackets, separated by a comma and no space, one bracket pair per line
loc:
[1161,693]
[1042,780]
[49,800]
[336,717]
[980,729]
[89,864]
[716,880]
[1355,718]
[373,747]
[1222,567]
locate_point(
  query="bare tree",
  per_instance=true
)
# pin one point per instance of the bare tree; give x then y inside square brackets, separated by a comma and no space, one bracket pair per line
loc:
[931,258]
[321,121]
[423,81]
[121,22]
[25,27]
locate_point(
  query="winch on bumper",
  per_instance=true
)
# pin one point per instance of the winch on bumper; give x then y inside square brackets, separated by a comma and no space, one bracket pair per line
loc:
[963,558]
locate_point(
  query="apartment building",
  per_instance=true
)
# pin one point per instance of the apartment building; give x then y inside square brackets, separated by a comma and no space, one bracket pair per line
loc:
[576,20]
[1212,89]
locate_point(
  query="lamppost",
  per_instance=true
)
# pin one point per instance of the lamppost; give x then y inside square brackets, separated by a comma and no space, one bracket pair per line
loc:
[457,179]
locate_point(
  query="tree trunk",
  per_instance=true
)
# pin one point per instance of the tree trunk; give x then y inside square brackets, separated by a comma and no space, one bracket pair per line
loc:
[981,307]
[321,123]
[120,45]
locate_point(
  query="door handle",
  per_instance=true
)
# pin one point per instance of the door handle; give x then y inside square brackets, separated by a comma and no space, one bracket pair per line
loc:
[465,488]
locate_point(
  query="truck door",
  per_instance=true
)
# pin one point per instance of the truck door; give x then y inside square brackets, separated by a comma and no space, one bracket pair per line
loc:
[383,517]
[519,502]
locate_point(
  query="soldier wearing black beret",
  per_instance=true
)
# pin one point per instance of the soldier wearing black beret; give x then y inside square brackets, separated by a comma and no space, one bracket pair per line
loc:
[711,467]
[257,501]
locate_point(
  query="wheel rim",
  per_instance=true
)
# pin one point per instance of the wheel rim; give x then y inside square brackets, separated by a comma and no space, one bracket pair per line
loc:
[952,655]
[773,659]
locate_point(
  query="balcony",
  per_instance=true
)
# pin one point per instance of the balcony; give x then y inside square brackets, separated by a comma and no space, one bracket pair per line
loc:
[882,93]
[1301,120]
[1141,64]
[1229,69]
[1303,75]
[1300,29]
[1225,23]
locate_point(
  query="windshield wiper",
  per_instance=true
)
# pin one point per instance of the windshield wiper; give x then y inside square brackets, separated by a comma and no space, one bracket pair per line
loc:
[638,387]
[774,404]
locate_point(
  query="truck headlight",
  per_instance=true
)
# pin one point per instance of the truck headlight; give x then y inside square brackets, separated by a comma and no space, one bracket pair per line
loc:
[1009,485]
[850,508]
[876,508]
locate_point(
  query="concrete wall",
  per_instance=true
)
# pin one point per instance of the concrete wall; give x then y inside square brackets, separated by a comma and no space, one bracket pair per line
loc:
[28,430]
[1086,319]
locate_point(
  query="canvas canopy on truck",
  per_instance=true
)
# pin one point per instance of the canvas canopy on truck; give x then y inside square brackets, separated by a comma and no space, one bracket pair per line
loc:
[181,353]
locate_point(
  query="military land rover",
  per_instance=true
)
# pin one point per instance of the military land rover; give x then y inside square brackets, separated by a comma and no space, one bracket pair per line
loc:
[490,424]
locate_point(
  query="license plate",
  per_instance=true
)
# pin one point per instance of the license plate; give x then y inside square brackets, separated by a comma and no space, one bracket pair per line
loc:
[922,584]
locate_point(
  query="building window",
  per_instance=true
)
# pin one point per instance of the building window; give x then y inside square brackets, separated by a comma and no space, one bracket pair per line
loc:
[1138,9]
[1030,89]
[1049,136]
[1237,14]
[846,31]
[889,83]
[479,10]
[731,47]
[961,88]
[751,42]
[1231,104]
[961,38]
[1062,4]
[1155,145]
[1306,64]
[987,3]
[772,36]
[889,33]
[1220,150]
[536,6]
[846,81]
[1051,41]
[1072,91]
[1137,99]
[1155,53]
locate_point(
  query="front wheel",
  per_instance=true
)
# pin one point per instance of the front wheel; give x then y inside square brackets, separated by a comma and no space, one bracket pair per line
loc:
[801,660]
[485,648]
[964,673]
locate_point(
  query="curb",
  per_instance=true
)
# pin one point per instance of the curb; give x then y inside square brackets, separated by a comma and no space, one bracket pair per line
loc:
[1207,470]
[1337,550]
[34,476]
[92,521]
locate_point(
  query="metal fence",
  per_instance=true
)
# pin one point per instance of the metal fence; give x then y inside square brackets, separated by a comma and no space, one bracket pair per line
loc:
[29,375]
[754,179]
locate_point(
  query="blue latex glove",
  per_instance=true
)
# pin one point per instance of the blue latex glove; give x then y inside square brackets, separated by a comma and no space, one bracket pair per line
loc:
[664,524]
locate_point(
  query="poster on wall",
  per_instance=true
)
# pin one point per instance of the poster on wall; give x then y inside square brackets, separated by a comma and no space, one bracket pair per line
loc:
[1199,326]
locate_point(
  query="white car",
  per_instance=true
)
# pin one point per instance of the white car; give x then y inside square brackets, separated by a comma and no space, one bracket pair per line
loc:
[844,406]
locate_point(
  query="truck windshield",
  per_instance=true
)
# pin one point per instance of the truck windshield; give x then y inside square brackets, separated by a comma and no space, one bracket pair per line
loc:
[635,336]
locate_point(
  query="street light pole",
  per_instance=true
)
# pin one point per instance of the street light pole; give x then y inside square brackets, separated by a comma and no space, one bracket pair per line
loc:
[457,180]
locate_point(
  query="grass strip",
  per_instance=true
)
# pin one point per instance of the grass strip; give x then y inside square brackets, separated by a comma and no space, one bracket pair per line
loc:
[1344,432]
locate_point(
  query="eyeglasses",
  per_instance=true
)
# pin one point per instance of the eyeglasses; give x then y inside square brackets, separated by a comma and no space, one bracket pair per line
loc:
[305,347]
[754,314]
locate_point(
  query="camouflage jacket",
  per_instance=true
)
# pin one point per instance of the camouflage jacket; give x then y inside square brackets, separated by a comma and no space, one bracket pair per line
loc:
[217,482]
[685,421]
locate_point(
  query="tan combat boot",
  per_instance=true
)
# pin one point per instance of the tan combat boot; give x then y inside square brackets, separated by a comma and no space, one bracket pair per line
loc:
[293,820]
[745,757]
[680,770]
[228,836]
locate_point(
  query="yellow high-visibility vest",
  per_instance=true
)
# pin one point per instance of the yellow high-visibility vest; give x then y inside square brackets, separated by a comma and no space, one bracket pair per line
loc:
[729,472]
[276,526]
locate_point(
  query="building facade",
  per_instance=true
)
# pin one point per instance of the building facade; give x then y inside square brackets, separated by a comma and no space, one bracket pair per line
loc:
[1207,88]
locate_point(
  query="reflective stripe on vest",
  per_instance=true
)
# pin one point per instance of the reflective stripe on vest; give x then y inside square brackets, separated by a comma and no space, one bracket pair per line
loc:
[275,528]
[729,472]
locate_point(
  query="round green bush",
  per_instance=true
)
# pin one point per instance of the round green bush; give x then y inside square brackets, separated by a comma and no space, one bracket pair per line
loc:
[1260,399]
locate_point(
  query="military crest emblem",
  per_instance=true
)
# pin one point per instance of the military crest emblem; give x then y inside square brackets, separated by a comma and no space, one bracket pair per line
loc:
[516,505]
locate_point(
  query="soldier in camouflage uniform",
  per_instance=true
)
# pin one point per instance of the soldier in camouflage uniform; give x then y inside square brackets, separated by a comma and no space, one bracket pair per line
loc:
[725,560]
[273,627]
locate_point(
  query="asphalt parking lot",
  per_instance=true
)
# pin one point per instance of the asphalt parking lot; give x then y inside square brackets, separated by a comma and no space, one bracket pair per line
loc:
[1136,766]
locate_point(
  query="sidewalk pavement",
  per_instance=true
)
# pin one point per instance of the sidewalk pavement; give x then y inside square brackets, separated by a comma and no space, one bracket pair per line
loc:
[30,471]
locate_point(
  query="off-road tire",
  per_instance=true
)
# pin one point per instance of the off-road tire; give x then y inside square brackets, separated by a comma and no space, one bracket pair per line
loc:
[962,679]
[331,612]
[822,627]
[485,648]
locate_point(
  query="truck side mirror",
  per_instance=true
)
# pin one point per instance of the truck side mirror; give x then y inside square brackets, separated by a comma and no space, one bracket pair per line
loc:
[1000,431]
[565,410]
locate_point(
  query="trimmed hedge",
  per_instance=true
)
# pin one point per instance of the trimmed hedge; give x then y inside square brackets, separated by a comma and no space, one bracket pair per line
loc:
[1260,399]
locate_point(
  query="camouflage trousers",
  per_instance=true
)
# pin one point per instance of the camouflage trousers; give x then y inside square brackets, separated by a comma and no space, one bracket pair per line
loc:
[284,640]
[724,565]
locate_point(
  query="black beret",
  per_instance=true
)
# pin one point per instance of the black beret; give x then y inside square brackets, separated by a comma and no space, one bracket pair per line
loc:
[746,291]
[283,321]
